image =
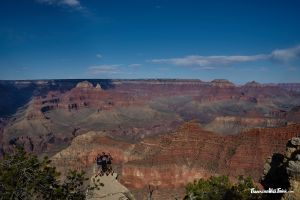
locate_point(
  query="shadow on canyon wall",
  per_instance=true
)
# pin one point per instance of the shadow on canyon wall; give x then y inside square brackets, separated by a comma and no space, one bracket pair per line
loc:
[15,94]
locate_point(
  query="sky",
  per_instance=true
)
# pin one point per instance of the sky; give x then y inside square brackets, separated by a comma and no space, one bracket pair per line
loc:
[135,39]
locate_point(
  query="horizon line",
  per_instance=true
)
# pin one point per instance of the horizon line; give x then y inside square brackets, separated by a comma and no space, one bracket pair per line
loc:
[148,79]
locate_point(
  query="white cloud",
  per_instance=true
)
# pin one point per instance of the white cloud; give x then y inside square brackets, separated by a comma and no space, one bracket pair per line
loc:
[135,65]
[286,54]
[99,55]
[104,69]
[211,62]
[208,68]
[70,3]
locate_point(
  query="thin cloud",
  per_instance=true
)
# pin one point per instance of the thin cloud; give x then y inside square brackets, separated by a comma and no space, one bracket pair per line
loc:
[99,55]
[22,69]
[104,69]
[69,3]
[208,68]
[135,65]
[211,62]
[286,55]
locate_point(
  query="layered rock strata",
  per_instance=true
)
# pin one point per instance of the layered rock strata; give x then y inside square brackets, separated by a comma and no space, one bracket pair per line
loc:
[171,160]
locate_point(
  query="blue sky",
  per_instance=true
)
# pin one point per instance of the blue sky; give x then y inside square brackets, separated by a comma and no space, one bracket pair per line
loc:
[237,40]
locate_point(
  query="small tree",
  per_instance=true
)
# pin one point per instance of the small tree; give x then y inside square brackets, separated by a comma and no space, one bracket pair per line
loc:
[220,188]
[24,176]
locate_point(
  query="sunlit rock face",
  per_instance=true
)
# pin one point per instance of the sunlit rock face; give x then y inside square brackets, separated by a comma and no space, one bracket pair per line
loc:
[192,152]
[84,84]
[172,160]
[84,149]
[165,176]
[110,190]
[222,83]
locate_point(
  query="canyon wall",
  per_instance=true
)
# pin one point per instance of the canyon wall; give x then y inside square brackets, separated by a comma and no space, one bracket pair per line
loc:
[131,110]
[172,160]
[145,125]
[194,153]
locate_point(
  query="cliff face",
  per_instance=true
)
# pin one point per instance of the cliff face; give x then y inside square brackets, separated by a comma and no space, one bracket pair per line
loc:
[140,122]
[135,109]
[293,168]
[282,170]
[194,153]
[83,150]
[234,125]
[172,160]
[125,93]
[15,94]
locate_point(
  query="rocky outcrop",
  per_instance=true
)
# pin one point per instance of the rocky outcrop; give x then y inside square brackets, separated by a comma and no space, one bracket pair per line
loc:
[98,86]
[111,188]
[223,83]
[84,84]
[253,84]
[282,170]
[293,169]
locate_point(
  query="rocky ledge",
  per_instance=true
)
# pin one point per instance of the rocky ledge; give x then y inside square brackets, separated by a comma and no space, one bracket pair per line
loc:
[293,168]
[283,171]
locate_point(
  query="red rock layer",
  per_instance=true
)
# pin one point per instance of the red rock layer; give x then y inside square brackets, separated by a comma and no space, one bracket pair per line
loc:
[136,93]
[83,150]
[173,160]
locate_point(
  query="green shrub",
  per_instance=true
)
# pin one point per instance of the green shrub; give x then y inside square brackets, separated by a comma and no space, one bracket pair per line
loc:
[220,188]
[24,176]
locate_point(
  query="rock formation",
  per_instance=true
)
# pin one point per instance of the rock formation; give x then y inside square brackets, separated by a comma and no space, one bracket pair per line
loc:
[253,84]
[191,152]
[282,170]
[235,129]
[223,83]
[170,161]
[98,86]
[112,189]
[84,84]
[59,110]
[293,169]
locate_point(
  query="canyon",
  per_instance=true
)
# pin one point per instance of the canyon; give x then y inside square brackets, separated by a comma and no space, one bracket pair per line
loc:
[161,133]
[172,160]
